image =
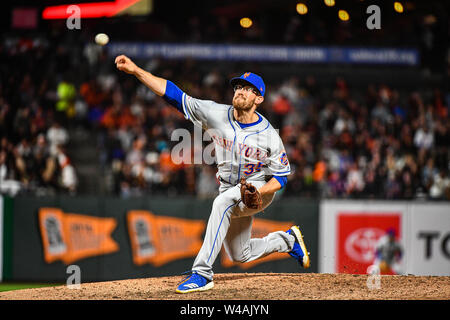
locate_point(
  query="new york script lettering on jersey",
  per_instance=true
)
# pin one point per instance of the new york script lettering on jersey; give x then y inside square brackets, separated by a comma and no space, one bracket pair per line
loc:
[253,152]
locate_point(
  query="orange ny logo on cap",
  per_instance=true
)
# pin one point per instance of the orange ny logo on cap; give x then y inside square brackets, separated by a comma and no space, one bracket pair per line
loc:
[246,74]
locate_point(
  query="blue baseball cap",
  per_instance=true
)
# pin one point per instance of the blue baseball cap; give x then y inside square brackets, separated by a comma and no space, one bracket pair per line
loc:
[391,232]
[251,78]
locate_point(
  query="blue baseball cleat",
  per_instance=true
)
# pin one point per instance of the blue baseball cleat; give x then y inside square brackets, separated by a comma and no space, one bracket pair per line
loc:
[194,282]
[299,251]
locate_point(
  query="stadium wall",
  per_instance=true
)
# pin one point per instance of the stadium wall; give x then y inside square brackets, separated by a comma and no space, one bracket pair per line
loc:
[349,231]
[1,238]
[114,238]
[6,222]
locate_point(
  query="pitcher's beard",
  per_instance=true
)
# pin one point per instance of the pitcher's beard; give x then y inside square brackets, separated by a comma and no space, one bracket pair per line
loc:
[239,103]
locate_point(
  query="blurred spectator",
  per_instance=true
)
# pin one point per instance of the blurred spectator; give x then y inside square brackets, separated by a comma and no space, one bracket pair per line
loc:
[423,138]
[335,185]
[65,106]
[68,177]
[440,189]
[355,183]
[8,184]
[57,136]
[281,107]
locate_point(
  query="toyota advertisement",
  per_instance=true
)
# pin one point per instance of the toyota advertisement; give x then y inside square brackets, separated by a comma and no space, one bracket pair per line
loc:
[395,237]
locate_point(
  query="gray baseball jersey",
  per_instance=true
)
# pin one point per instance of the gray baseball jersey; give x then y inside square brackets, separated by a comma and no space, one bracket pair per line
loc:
[388,250]
[255,152]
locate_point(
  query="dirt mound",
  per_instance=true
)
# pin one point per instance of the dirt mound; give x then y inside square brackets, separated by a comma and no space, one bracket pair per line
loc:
[252,286]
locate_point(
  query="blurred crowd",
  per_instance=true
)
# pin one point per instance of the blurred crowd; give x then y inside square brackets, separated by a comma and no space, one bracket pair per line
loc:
[379,143]
[33,155]
[342,142]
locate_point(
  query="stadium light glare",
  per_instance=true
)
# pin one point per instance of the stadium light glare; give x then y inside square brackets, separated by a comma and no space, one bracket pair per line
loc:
[398,7]
[90,10]
[302,8]
[343,15]
[246,22]
[329,3]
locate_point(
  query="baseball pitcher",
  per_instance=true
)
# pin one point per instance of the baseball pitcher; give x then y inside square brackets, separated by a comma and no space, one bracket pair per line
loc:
[252,166]
[388,253]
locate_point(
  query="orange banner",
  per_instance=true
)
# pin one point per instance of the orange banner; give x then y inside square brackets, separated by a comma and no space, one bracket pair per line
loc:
[159,239]
[260,229]
[71,237]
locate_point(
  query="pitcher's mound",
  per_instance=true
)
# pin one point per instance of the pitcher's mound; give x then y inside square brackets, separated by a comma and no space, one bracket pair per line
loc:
[253,286]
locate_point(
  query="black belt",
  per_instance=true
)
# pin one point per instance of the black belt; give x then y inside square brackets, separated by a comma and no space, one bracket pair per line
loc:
[222,180]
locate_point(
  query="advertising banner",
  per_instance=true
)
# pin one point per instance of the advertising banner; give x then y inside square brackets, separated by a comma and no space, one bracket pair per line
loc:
[358,234]
[112,238]
[350,231]
[298,54]
[71,237]
[159,239]
[260,229]
[430,238]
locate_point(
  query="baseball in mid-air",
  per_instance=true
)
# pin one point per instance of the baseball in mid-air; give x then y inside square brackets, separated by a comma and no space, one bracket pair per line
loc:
[101,39]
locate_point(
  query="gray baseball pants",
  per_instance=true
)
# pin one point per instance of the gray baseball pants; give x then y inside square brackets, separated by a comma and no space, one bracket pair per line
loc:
[230,224]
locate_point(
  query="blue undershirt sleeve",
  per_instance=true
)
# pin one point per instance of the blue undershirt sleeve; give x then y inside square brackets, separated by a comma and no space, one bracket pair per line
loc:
[174,96]
[282,180]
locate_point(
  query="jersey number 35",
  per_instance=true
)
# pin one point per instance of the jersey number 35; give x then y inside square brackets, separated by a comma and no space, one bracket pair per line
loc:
[251,168]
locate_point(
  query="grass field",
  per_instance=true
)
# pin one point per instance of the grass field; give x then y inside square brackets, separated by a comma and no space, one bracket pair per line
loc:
[18,286]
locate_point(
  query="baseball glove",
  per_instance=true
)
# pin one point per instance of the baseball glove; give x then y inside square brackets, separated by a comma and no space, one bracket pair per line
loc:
[250,195]
[384,266]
